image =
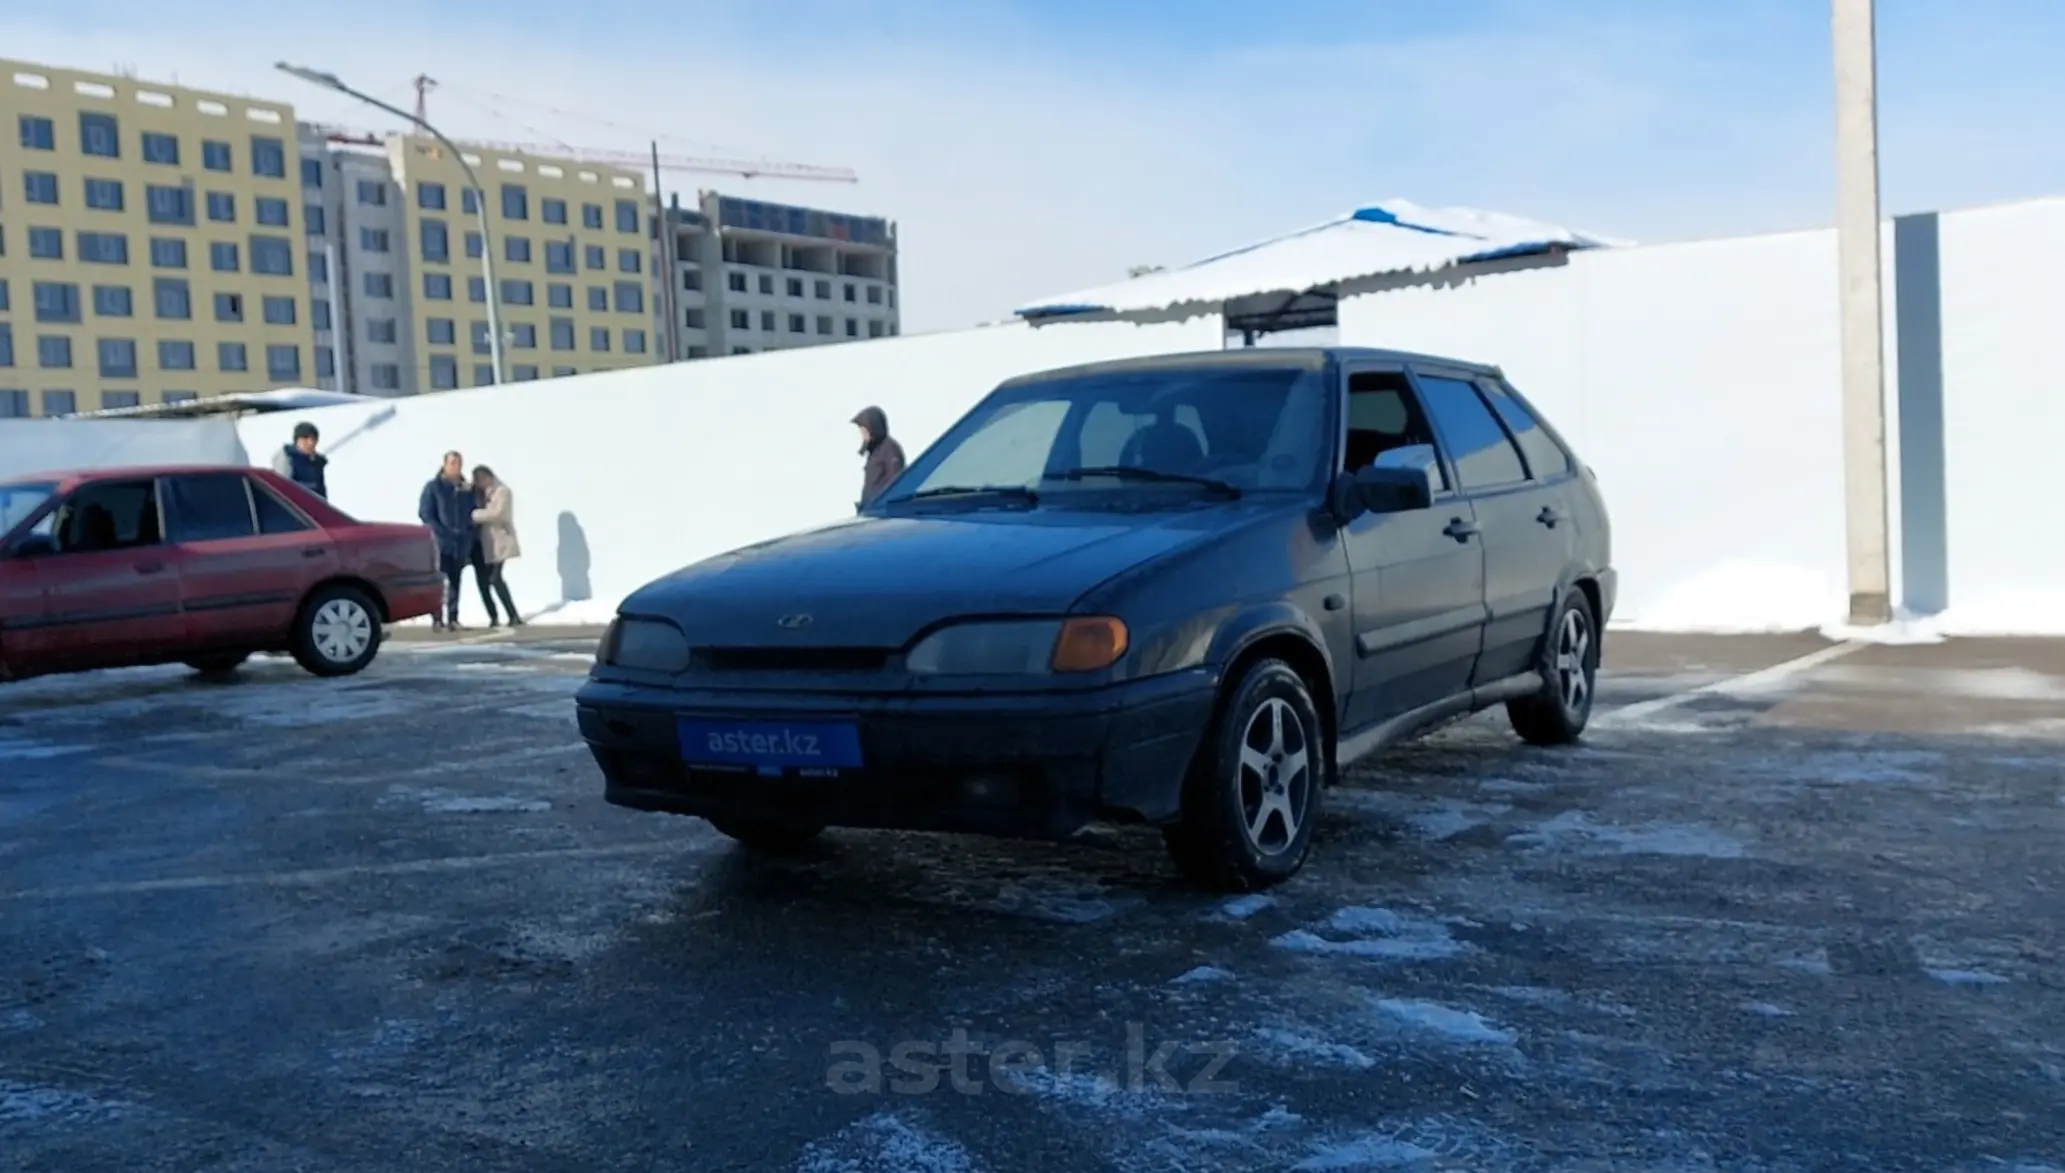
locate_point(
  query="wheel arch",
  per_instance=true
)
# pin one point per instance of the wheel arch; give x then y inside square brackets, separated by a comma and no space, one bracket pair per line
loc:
[1283,633]
[362,585]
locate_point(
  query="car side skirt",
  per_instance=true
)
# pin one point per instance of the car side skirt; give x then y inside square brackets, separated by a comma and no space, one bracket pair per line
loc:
[1368,740]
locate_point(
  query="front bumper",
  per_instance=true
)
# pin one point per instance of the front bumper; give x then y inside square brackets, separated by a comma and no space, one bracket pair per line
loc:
[1031,765]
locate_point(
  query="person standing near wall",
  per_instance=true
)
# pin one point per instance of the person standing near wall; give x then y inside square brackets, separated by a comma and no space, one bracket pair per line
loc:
[884,454]
[446,506]
[495,516]
[301,463]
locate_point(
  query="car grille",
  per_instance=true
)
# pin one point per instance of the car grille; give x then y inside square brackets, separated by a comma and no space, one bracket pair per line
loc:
[792,659]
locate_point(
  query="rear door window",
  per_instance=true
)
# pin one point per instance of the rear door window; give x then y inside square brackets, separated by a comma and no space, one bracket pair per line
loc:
[108,515]
[1484,455]
[1545,458]
[209,507]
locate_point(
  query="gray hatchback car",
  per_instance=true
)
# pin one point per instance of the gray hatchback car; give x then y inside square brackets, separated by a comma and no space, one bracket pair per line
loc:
[1182,591]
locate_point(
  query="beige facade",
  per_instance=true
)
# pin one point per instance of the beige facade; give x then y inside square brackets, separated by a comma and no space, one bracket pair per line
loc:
[151,243]
[572,257]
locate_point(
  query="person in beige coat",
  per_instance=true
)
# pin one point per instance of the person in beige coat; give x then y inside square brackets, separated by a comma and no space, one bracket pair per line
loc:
[495,519]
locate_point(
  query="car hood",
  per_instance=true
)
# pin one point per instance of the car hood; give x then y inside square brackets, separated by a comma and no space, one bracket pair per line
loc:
[878,581]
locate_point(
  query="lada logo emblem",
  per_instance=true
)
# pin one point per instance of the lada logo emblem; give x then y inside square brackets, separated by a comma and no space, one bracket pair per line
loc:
[793,622]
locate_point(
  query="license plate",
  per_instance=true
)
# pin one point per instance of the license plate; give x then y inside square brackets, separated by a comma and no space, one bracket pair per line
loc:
[770,746]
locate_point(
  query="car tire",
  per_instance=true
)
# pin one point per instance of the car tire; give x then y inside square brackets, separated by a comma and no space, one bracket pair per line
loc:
[773,838]
[1569,667]
[337,631]
[1253,793]
[221,664]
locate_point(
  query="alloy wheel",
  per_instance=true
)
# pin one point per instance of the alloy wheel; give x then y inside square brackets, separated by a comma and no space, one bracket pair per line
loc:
[1573,659]
[1275,776]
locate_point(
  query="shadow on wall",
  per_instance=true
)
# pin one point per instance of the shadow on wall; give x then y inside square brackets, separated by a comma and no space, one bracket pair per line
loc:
[574,586]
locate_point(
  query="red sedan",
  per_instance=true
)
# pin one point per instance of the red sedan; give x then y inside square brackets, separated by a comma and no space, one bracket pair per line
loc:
[198,565]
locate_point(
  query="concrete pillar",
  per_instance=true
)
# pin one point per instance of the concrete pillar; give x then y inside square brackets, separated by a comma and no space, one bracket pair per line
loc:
[1863,346]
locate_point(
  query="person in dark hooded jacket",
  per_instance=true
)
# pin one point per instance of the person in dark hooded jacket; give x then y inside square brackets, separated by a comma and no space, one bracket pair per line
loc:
[301,463]
[885,455]
[446,506]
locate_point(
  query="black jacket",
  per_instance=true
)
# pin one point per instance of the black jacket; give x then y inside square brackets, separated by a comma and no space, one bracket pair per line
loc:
[885,455]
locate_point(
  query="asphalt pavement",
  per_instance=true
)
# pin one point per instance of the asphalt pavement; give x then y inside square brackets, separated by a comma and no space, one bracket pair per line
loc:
[1791,906]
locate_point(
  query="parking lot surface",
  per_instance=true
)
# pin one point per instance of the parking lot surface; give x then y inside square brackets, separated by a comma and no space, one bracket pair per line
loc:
[1792,906]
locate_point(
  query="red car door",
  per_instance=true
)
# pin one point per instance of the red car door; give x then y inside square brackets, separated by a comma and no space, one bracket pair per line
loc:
[245,560]
[109,596]
[21,612]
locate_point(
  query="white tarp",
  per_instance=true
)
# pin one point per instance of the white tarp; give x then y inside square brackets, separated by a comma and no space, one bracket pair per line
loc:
[66,445]
[1392,237]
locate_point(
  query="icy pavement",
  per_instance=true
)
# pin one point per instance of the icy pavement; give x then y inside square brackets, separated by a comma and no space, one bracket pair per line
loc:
[290,923]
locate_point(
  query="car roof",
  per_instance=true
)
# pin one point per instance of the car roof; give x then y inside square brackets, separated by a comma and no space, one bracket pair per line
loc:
[1311,358]
[126,473]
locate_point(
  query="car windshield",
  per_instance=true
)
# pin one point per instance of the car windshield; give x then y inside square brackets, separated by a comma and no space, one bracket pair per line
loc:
[1202,430]
[20,499]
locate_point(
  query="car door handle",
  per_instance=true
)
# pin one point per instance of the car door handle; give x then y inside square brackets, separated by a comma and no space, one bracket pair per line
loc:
[314,551]
[1548,516]
[1459,529]
[150,568]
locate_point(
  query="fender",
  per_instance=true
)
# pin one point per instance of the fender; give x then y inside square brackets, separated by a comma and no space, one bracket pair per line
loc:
[1255,622]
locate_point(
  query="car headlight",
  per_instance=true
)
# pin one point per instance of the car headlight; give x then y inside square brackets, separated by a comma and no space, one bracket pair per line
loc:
[1020,647]
[646,645]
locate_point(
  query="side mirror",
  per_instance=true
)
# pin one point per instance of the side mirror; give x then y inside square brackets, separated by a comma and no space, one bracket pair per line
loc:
[1399,479]
[33,546]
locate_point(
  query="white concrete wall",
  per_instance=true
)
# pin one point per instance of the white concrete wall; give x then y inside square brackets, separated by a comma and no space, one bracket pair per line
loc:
[1702,382]
[65,445]
[623,476]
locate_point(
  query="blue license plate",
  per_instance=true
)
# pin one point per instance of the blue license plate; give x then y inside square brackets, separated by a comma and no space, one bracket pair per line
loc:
[770,746]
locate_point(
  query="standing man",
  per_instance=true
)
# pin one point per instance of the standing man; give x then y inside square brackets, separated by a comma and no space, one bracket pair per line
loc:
[885,455]
[446,506]
[301,463]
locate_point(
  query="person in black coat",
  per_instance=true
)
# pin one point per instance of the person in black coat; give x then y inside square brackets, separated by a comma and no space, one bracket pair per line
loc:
[447,506]
[301,463]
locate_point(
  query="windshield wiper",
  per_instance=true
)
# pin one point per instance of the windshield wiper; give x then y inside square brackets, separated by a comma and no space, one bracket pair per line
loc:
[1129,473]
[1020,492]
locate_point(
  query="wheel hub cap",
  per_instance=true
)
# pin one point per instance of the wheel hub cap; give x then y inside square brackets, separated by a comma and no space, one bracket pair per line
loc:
[1274,776]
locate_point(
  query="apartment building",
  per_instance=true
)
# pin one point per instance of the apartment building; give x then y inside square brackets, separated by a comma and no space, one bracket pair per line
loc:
[361,313]
[753,276]
[149,243]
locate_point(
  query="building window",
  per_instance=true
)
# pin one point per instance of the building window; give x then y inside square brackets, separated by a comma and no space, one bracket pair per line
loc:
[168,252]
[175,355]
[430,197]
[477,289]
[559,297]
[562,372]
[824,324]
[594,256]
[736,282]
[272,256]
[874,327]
[630,297]
[598,338]
[741,320]
[14,404]
[473,246]
[312,173]
[627,215]
[222,257]
[823,291]
[168,205]
[380,285]
[111,400]
[318,266]
[852,328]
[268,157]
[3,295]
[439,331]
[767,284]
[47,244]
[767,321]
[6,345]
[112,301]
[849,291]
[284,362]
[325,362]
[54,352]
[517,248]
[434,240]
[591,214]
[314,220]
[874,295]
[271,212]
[691,279]
[516,203]
[229,307]
[444,373]
[628,261]
[692,318]
[40,134]
[99,135]
[387,376]
[795,287]
[515,292]
[797,325]
[478,332]
[104,248]
[561,331]
[222,207]
[56,301]
[737,350]
[634,341]
[372,193]
[279,311]
[373,240]
[469,200]
[437,286]
[383,330]
[104,194]
[552,211]
[698,352]
[523,373]
[598,299]
[215,155]
[559,256]
[523,336]
[39,187]
[117,358]
[171,296]
[483,375]
[180,396]
[59,403]
[319,315]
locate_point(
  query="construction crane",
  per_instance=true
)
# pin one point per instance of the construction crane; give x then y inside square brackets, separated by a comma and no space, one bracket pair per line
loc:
[744,168]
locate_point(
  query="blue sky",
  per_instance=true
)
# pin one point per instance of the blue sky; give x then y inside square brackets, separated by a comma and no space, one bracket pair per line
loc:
[1030,148]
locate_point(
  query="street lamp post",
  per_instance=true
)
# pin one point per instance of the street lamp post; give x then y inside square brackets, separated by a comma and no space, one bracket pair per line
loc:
[480,196]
